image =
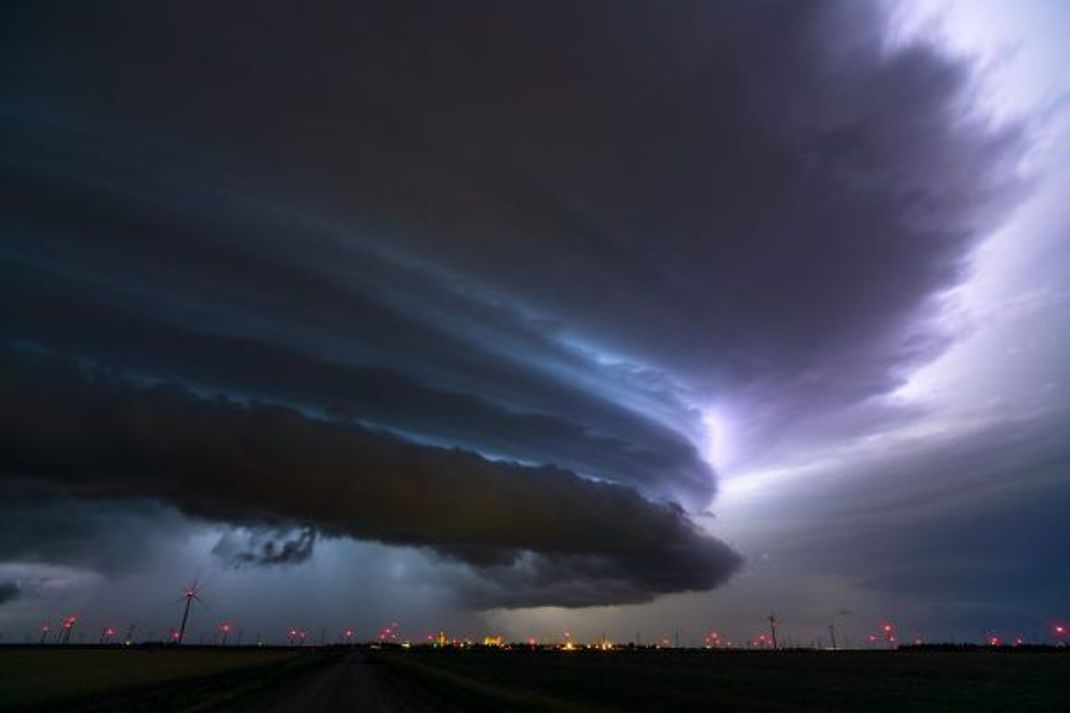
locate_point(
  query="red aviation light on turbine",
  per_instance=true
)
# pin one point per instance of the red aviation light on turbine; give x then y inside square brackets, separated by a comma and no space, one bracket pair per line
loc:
[389,633]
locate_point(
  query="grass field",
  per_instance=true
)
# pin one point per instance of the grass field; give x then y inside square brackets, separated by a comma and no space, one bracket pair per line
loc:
[868,681]
[162,679]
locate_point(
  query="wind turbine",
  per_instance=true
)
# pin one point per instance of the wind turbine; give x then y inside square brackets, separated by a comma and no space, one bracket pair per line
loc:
[68,625]
[190,595]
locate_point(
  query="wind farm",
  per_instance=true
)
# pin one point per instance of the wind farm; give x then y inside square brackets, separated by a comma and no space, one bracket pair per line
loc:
[526,676]
[392,669]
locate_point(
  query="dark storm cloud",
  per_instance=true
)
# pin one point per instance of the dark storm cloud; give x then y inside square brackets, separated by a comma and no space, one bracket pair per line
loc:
[266,548]
[972,521]
[754,199]
[9,592]
[634,450]
[515,404]
[269,466]
[579,580]
[41,524]
[549,232]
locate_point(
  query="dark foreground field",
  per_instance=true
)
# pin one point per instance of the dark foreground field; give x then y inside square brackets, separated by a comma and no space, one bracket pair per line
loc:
[418,681]
[868,681]
[148,679]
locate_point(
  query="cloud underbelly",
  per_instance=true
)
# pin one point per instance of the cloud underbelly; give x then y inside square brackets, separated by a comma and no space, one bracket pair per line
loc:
[556,537]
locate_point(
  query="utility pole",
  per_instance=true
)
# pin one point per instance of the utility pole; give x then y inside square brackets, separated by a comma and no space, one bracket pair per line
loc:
[772,629]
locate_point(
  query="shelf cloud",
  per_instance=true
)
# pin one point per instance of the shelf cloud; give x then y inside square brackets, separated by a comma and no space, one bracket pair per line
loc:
[472,277]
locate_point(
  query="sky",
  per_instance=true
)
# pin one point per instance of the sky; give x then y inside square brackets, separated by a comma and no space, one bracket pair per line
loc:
[611,317]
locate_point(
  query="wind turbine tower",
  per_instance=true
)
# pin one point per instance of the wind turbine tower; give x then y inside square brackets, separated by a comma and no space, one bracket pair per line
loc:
[772,629]
[191,594]
[68,625]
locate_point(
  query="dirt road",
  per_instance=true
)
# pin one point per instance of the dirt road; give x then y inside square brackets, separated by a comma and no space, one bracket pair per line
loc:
[353,684]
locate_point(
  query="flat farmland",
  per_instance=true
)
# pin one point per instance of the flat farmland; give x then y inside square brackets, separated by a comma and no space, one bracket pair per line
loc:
[648,681]
[159,679]
[421,680]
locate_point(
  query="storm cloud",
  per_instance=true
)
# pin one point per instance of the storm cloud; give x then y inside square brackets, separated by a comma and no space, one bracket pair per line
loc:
[9,591]
[266,548]
[472,276]
[265,465]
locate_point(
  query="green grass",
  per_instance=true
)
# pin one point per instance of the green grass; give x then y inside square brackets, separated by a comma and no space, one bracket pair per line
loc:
[739,681]
[164,679]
